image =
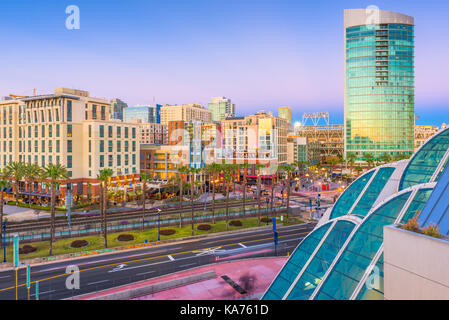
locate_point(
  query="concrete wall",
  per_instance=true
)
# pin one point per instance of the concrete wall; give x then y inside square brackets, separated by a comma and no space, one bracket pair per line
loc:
[416,267]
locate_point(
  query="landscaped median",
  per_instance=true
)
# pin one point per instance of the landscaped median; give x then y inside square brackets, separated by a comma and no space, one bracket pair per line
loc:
[95,244]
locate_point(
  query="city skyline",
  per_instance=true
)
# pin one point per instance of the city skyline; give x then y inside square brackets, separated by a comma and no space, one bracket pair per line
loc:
[262,67]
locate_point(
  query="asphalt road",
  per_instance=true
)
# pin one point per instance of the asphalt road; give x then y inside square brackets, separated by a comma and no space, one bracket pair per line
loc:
[106,271]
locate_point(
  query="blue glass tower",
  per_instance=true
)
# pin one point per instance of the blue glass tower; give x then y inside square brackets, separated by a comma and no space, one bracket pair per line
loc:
[379,83]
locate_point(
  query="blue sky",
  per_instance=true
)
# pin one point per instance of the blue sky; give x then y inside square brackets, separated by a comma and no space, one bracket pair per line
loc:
[261,54]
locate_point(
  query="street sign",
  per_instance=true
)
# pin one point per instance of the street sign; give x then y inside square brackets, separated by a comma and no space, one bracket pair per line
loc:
[16,251]
[274,223]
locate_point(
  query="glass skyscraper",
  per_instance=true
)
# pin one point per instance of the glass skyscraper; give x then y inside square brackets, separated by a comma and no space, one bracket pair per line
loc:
[379,83]
[147,114]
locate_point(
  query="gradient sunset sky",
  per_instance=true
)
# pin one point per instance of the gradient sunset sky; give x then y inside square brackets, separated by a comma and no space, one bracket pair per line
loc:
[262,54]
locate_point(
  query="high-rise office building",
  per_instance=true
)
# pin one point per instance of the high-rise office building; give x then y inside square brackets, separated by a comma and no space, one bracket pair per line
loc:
[221,108]
[286,113]
[379,83]
[146,114]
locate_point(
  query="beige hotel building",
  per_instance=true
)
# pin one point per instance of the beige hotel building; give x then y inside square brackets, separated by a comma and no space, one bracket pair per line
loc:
[185,112]
[73,129]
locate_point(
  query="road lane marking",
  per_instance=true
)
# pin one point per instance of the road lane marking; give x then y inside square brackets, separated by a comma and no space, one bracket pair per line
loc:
[89,284]
[243,246]
[143,259]
[208,251]
[5,277]
[171,258]
[40,293]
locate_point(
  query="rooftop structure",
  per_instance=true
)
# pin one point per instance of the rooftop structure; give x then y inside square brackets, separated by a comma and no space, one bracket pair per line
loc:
[337,260]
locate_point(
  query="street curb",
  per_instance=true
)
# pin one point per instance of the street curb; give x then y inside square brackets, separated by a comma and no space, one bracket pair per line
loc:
[167,242]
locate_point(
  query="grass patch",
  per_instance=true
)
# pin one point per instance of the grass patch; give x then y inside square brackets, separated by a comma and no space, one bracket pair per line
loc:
[96,242]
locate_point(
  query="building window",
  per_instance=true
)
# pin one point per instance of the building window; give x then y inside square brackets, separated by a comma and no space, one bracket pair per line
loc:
[103,113]
[101,161]
[110,160]
[69,162]
[126,132]
[69,111]
[90,131]
[69,130]
[119,146]
[57,130]
[94,112]
[101,131]
[110,131]
[69,145]
[101,145]
[110,146]
[119,160]
[57,146]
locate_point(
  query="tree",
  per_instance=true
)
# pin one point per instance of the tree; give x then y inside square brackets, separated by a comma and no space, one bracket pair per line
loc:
[213,169]
[245,167]
[54,172]
[369,159]
[31,173]
[258,167]
[227,170]
[5,182]
[402,156]
[289,169]
[181,172]
[17,171]
[144,177]
[350,158]
[272,189]
[193,172]
[104,176]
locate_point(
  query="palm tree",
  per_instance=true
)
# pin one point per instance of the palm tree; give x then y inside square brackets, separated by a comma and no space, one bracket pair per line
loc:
[181,172]
[350,158]
[213,169]
[5,182]
[192,172]
[272,189]
[144,177]
[54,172]
[289,169]
[104,176]
[245,167]
[227,170]
[386,157]
[31,172]
[258,167]
[17,170]
[369,159]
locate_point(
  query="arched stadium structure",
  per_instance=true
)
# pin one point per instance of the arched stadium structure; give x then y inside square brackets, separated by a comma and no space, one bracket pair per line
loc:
[336,260]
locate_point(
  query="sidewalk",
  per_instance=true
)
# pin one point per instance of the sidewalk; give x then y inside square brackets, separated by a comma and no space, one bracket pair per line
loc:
[253,275]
